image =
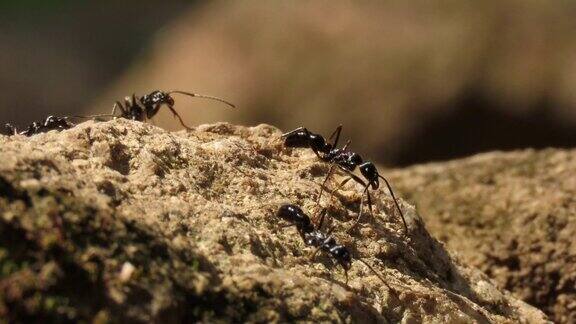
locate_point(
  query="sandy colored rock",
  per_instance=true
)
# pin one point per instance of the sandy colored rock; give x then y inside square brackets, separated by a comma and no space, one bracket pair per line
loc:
[124,221]
[509,214]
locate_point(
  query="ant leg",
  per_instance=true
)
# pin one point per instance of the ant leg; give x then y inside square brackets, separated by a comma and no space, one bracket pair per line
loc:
[313,255]
[330,171]
[337,133]
[340,185]
[179,118]
[330,230]
[353,176]
[89,116]
[322,215]
[346,274]
[135,102]
[118,105]
[129,103]
[369,203]
[318,155]
[346,145]
[359,210]
[395,202]
[378,275]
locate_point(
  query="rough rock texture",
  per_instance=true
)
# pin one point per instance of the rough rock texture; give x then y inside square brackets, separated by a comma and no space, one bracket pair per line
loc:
[511,215]
[125,221]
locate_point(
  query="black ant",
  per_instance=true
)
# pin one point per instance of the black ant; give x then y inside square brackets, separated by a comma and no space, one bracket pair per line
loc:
[343,158]
[146,107]
[50,123]
[313,236]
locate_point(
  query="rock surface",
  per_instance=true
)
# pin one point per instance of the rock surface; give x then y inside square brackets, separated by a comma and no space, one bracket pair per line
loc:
[509,214]
[125,221]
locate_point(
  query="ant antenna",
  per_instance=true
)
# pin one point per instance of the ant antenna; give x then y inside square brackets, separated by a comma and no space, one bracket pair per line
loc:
[202,96]
[395,202]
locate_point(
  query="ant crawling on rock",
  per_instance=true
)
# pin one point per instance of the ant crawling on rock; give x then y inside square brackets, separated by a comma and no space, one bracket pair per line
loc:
[314,236]
[50,123]
[344,159]
[147,106]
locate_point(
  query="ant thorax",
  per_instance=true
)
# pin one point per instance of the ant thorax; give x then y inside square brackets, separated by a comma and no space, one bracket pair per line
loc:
[346,159]
[135,112]
[156,98]
[319,239]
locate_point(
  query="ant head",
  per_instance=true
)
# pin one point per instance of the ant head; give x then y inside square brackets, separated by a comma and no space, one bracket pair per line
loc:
[369,171]
[343,256]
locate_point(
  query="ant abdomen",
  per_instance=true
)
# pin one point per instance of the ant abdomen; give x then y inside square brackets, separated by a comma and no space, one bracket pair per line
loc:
[303,138]
[50,123]
[294,214]
[297,140]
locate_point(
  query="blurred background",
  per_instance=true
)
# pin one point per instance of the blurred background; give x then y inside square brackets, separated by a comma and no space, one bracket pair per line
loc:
[411,81]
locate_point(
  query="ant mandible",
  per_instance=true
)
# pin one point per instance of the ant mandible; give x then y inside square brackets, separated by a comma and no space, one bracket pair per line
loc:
[50,123]
[344,159]
[147,106]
